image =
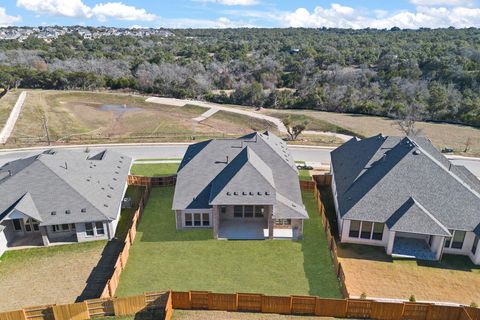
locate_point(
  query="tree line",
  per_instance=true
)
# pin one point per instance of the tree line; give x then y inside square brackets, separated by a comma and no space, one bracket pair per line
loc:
[425,74]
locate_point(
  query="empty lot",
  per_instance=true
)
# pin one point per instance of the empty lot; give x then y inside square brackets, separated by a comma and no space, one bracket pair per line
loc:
[73,117]
[441,134]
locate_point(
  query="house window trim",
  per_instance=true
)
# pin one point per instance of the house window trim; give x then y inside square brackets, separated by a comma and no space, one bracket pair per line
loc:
[475,243]
[254,212]
[201,215]
[92,229]
[372,229]
[449,243]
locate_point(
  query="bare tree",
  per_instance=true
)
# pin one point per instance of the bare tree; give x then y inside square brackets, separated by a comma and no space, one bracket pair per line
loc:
[468,144]
[406,121]
[42,117]
[294,129]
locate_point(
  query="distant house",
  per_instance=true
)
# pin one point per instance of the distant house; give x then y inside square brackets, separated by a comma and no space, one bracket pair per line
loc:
[61,196]
[404,195]
[245,188]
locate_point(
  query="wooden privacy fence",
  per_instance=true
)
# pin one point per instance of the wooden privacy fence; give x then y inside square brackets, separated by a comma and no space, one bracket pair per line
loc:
[143,181]
[308,305]
[120,264]
[323,180]
[166,302]
[332,245]
[94,308]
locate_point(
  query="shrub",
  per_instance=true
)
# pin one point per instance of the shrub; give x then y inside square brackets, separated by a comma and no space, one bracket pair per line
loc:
[412,298]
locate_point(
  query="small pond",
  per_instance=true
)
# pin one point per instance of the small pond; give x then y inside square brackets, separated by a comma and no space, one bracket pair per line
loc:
[119,108]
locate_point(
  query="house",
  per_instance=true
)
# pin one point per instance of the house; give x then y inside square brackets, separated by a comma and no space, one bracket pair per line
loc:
[245,188]
[61,196]
[403,194]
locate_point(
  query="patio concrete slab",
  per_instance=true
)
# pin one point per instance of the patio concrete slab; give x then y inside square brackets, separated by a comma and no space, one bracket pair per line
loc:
[412,248]
[241,230]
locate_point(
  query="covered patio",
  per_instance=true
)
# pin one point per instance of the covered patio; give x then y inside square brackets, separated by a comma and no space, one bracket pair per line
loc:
[241,229]
[412,248]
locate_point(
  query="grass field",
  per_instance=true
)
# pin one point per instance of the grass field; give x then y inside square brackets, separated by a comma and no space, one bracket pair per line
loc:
[162,258]
[154,169]
[440,134]
[75,117]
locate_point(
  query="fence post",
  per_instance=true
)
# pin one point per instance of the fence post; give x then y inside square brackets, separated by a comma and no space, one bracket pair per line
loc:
[291,304]
[236,301]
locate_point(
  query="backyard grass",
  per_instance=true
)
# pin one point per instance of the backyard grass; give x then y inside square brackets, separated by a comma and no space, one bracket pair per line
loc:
[38,276]
[154,169]
[162,258]
[304,175]
[369,270]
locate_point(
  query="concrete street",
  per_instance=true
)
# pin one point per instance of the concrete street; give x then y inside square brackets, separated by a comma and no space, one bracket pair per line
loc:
[176,150]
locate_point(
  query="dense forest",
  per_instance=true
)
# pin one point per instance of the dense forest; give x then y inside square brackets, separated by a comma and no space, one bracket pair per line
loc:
[428,74]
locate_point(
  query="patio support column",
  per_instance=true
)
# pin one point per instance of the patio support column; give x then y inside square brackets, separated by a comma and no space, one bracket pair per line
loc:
[43,231]
[391,240]
[216,221]
[270,221]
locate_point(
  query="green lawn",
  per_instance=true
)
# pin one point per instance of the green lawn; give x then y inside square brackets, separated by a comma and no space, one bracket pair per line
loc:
[304,175]
[162,258]
[155,169]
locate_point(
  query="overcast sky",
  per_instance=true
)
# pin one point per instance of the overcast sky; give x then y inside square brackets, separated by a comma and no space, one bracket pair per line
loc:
[243,13]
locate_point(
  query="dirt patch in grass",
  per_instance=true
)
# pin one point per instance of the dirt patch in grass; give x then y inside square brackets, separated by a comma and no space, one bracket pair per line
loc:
[369,270]
[40,276]
[211,315]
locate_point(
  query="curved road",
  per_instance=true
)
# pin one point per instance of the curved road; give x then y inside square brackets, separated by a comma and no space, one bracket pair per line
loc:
[176,150]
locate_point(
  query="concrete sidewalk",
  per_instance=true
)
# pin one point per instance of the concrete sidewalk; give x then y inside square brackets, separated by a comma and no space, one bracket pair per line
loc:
[12,119]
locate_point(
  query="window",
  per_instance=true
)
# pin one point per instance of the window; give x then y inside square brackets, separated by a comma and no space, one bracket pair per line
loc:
[238,211]
[455,242]
[223,210]
[354,229]
[65,227]
[377,231]
[188,219]
[89,229]
[458,238]
[366,230]
[475,245]
[248,212]
[448,240]
[72,226]
[259,211]
[17,225]
[99,227]
[205,219]
[283,222]
[197,221]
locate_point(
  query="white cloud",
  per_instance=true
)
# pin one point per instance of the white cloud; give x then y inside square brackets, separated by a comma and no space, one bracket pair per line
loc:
[431,3]
[221,22]
[78,9]
[232,2]
[66,8]
[6,20]
[120,11]
[338,16]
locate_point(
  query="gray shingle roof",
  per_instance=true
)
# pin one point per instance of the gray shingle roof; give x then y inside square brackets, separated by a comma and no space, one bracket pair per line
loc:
[253,169]
[375,177]
[61,184]
[412,217]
